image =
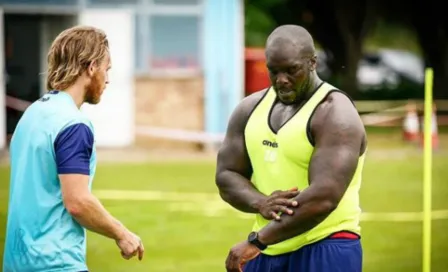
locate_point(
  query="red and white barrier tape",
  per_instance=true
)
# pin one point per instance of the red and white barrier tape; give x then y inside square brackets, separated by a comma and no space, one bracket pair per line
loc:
[201,136]
[16,104]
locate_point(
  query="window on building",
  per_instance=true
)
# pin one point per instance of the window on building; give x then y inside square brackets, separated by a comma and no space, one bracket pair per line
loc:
[40,2]
[168,33]
[112,2]
[174,42]
[168,37]
[177,2]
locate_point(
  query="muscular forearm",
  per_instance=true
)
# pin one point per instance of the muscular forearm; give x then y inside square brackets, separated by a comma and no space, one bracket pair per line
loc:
[91,214]
[314,205]
[239,192]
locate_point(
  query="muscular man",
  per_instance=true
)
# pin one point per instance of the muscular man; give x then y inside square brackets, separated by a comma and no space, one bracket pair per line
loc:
[53,162]
[301,133]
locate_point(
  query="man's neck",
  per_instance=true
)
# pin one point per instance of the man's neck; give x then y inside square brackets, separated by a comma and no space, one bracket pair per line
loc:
[310,88]
[77,94]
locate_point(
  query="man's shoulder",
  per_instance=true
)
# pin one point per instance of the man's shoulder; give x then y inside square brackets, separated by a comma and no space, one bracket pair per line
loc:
[338,111]
[248,104]
[57,118]
[244,109]
[338,100]
[336,107]
[66,116]
[76,122]
[256,96]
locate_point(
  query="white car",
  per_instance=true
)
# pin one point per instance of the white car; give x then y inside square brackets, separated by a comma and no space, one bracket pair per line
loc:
[386,68]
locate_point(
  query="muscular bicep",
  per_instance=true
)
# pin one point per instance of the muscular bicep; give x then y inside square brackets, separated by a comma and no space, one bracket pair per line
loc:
[338,136]
[234,170]
[232,155]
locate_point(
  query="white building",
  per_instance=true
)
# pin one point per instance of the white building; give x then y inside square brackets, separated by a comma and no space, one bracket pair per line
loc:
[155,38]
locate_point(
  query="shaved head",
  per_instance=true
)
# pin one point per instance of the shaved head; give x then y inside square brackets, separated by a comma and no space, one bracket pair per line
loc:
[291,61]
[292,37]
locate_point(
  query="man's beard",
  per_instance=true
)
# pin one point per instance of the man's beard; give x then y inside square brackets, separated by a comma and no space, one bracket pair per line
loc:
[94,90]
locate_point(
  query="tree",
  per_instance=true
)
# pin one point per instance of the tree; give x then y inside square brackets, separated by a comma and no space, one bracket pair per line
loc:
[430,24]
[259,22]
[340,27]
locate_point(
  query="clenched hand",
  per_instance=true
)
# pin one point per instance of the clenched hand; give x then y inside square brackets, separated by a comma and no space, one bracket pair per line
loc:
[239,255]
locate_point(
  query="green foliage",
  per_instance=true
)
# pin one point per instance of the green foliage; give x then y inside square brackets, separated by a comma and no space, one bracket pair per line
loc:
[259,22]
[257,26]
[386,33]
[392,35]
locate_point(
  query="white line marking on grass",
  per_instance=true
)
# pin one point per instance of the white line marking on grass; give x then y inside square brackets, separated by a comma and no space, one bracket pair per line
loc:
[403,216]
[212,205]
[154,195]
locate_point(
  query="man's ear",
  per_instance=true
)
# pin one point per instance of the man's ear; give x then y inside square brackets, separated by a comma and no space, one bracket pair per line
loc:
[313,62]
[91,69]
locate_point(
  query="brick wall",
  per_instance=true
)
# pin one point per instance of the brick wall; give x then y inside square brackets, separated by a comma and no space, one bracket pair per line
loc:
[170,103]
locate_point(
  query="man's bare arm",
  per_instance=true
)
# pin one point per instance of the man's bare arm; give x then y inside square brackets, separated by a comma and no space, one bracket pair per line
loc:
[86,209]
[339,135]
[73,149]
[234,169]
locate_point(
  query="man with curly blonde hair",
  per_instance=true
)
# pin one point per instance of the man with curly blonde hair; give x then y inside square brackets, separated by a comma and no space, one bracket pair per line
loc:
[53,162]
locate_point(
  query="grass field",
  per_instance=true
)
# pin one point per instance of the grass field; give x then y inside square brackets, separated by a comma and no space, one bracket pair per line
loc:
[175,208]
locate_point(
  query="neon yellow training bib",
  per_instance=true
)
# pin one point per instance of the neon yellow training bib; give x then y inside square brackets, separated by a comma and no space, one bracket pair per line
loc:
[280,161]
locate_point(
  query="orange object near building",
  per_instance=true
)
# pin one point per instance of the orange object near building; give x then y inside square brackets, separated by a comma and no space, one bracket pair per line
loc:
[411,123]
[434,130]
[256,73]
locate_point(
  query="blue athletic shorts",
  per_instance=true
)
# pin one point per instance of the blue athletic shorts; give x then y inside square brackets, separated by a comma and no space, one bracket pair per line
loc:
[329,255]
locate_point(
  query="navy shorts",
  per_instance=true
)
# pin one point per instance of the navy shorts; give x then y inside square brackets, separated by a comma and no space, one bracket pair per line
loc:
[329,255]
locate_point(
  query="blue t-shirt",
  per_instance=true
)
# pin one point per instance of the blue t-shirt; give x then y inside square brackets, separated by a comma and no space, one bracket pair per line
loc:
[53,137]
